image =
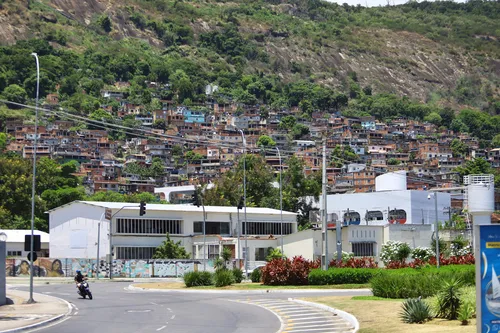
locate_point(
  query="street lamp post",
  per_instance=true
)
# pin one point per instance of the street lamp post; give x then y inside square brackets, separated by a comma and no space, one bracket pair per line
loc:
[245,200]
[281,202]
[437,226]
[31,300]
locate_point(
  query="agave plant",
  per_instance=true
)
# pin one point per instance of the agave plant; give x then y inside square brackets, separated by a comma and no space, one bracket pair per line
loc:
[414,310]
[466,312]
[449,299]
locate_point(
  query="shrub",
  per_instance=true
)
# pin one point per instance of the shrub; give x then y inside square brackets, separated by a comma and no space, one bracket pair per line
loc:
[195,279]
[255,276]
[416,282]
[466,312]
[449,299]
[394,251]
[341,276]
[364,262]
[238,275]
[414,310]
[223,278]
[422,253]
[284,271]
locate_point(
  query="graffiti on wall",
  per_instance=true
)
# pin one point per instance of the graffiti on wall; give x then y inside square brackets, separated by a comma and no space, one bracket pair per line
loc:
[53,267]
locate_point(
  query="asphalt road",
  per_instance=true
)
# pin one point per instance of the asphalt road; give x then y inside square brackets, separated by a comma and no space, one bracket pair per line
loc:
[115,309]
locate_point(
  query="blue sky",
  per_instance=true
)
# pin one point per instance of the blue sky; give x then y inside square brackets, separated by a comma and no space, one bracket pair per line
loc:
[372,3]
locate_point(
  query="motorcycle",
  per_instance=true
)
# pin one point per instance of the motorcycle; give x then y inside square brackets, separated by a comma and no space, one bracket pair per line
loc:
[84,290]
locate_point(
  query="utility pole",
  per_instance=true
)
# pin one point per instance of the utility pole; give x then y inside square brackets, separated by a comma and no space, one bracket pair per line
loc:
[33,187]
[437,228]
[98,244]
[325,212]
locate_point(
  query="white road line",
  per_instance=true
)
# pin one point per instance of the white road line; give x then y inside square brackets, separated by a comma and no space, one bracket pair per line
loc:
[169,309]
[173,317]
[286,312]
[286,307]
[302,315]
[76,313]
[308,330]
[308,318]
[154,303]
[159,329]
[294,327]
[297,322]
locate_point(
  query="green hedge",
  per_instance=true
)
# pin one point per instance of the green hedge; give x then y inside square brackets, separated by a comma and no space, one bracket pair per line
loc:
[413,283]
[342,276]
[196,279]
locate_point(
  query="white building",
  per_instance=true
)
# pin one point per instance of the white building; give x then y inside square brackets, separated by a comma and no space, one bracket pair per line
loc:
[74,229]
[391,203]
[15,242]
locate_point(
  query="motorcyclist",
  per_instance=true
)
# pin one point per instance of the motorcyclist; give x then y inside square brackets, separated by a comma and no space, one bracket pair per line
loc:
[79,278]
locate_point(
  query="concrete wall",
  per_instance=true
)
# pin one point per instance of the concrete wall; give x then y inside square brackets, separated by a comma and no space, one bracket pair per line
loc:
[414,235]
[300,244]
[73,232]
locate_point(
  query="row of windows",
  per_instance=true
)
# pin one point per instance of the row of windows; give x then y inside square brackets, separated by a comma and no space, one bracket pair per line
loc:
[363,249]
[135,252]
[213,228]
[266,228]
[212,251]
[149,226]
[14,253]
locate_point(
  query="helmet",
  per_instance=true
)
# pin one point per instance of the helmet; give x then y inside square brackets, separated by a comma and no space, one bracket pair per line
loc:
[78,271]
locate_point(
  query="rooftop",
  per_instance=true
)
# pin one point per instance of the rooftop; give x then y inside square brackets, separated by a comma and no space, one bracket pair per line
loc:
[180,208]
[17,235]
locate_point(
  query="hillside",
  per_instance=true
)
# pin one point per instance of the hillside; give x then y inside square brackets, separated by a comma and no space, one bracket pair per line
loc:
[443,53]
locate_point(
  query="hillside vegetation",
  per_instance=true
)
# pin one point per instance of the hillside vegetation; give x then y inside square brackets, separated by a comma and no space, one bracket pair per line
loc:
[411,60]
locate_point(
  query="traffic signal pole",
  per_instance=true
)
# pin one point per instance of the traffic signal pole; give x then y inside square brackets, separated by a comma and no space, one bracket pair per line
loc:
[142,211]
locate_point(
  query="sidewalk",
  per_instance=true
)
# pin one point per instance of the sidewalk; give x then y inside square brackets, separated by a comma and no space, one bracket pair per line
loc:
[18,316]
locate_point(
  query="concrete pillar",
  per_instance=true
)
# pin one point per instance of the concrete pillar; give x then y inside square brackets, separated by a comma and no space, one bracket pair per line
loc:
[3,283]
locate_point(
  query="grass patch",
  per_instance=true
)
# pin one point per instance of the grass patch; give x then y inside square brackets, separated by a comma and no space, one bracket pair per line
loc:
[244,286]
[382,315]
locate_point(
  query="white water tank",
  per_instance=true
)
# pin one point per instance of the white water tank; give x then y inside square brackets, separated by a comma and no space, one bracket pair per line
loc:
[480,197]
[391,181]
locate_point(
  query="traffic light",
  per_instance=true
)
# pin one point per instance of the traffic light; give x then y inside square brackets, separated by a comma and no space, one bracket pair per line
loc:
[241,203]
[142,208]
[196,199]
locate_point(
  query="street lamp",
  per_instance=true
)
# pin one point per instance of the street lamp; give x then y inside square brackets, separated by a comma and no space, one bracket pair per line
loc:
[437,226]
[245,199]
[281,202]
[31,300]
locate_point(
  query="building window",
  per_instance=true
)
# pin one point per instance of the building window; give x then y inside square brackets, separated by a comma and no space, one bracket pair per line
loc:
[363,249]
[14,253]
[260,253]
[213,228]
[213,251]
[148,226]
[266,228]
[135,252]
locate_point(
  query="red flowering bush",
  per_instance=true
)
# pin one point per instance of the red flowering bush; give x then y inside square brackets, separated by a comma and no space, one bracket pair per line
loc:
[364,262]
[467,259]
[283,271]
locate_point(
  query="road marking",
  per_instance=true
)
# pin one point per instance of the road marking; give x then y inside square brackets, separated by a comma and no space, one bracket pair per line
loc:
[76,313]
[159,329]
[169,309]
[139,311]
[173,317]
[154,303]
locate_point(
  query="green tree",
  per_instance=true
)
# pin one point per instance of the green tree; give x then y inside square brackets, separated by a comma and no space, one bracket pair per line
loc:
[170,250]
[287,122]
[105,23]
[458,148]
[181,84]
[14,93]
[62,196]
[160,124]
[495,142]
[3,142]
[434,118]
[343,154]
[393,161]
[265,141]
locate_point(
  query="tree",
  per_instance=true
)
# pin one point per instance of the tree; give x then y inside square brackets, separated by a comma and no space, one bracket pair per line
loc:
[393,161]
[433,118]
[59,197]
[170,250]
[15,93]
[266,141]
[105,23]
[287,122]
[495,142]
[343,154]
[160,124]
[458,148]
[3,142]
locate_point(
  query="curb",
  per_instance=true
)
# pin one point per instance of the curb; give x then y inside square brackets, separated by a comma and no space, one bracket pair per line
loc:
[345,315]
[45,322]
[255,292]
[282,323]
